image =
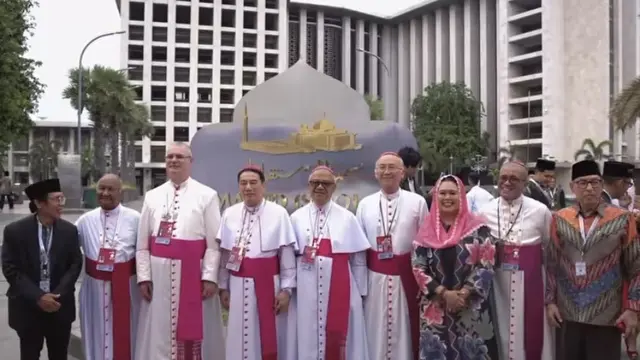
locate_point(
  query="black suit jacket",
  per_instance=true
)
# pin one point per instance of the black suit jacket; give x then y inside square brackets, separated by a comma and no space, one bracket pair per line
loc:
[560,200]
[21,268]
[533,191]
[606,198]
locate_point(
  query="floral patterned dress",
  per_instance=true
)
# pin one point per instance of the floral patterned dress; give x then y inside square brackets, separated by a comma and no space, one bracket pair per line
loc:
[468,334]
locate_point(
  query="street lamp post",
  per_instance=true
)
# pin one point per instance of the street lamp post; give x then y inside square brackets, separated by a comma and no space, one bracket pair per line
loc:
[386,96]
[81,85]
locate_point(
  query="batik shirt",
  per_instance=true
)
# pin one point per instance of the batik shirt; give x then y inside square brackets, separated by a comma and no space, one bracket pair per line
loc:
[611,253]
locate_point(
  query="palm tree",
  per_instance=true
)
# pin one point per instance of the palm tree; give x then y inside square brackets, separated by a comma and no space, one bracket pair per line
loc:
[109,99]
[43,159]
[376,107]
[592,151]
[626,107]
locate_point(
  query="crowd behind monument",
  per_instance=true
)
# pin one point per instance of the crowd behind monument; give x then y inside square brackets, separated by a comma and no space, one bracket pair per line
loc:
[448,275]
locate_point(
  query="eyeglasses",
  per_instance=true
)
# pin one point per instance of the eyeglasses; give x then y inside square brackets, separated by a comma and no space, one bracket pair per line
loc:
[60,199]
[390,168]
[583,184]
[316,183]
[511,179]
[177,157]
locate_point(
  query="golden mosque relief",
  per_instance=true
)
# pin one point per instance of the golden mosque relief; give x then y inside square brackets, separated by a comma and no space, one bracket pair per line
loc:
[321,136]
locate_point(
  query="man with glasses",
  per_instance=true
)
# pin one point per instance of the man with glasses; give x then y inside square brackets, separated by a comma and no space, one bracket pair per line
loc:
[520,225]
[617,177]
[41,260]
[177,261]
[332,275]
[593,248]
[391,219]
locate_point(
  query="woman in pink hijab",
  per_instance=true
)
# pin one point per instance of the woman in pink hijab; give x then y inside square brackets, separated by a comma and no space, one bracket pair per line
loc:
[453,265]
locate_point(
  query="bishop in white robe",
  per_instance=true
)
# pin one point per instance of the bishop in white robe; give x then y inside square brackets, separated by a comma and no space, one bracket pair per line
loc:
[332,276]
[258,274]
[177,262]
[520,225]
[109,298]
[391,219]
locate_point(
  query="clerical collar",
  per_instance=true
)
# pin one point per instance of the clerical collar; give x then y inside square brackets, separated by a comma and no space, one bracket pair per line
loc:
[390,197]
[253,209]
[515,202]
[113,211]
[180,186]
[323,208]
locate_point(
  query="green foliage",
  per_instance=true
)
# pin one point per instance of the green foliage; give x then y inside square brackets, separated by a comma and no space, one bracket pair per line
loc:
[376,107]
[43,159]
[626,107]
[110,100]
[446,123]
[592,151]
[20,90]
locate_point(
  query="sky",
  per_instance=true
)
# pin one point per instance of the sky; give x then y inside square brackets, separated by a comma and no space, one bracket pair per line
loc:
[63,27]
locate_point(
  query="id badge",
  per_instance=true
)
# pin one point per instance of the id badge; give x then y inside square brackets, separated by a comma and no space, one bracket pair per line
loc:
[235,259]
[164,233]
[581,268]
[308,257]
[510,259]
[384,247]
[106,259]
[44,286]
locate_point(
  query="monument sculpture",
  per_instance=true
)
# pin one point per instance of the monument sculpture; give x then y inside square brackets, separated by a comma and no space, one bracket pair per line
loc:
[299,119]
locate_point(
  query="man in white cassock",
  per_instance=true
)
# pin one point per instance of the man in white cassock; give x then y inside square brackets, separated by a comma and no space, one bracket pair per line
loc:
[177,262]
[258,274]
[109,297]
[390,219]
[519,225]
[332,276]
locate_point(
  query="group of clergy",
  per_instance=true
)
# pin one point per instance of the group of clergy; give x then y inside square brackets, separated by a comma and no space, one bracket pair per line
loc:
[505,280]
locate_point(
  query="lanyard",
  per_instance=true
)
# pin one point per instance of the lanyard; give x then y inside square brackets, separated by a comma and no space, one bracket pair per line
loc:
[103,220]
[315,226]
[512,224]
[44,253]
[386,227]
[594,224]
[242,241]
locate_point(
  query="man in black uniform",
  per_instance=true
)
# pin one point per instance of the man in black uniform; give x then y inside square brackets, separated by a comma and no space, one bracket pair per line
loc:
[41,261]
[617,177]
[411,159]
[537,187]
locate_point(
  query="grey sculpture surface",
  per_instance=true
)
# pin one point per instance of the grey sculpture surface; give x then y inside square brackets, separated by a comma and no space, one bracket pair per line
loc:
[288,125]
[69,168]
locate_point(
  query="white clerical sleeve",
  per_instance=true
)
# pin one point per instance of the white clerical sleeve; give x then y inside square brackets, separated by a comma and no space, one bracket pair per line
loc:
[423,211]
[223,273]
[358,262]
[287,267]
[211,261]
[360,218]
[143,257]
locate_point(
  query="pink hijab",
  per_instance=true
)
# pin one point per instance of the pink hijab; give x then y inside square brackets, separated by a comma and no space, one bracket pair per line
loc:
[432,233]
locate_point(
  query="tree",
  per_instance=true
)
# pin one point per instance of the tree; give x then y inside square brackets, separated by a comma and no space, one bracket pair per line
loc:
[43,159]
[446,123]
[376,107]
[626,106]
[592,151]
[20,90]
[110,101]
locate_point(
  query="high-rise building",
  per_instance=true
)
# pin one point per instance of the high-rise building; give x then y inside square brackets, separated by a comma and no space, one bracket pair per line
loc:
[545,70]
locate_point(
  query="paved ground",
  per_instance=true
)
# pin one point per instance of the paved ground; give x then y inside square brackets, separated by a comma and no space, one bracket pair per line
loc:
[8,340]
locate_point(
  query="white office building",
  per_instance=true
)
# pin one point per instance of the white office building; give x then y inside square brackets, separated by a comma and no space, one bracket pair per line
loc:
[545,70]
